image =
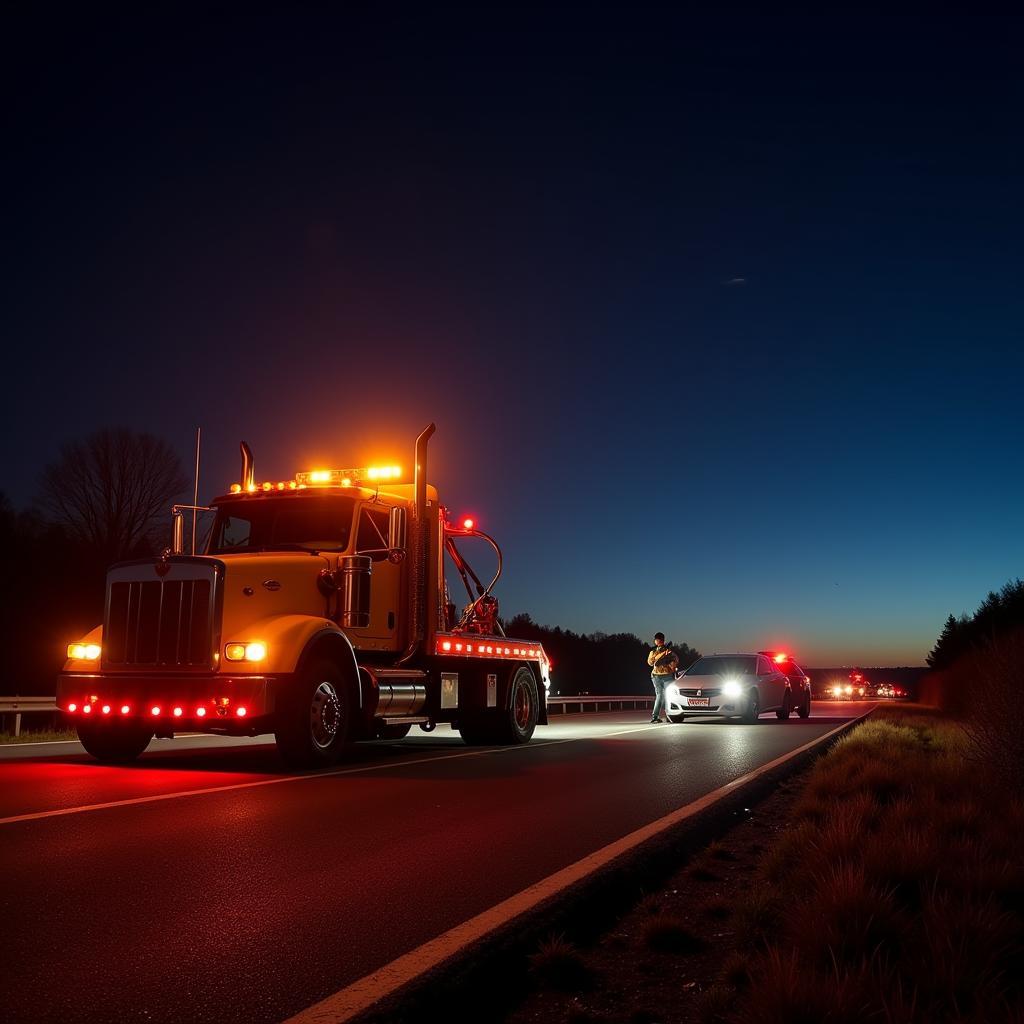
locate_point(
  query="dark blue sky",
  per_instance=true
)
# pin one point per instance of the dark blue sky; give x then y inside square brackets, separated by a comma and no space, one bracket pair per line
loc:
[719,320]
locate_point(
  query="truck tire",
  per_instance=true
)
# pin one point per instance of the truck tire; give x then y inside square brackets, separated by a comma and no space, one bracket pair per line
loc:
[477,730]
[517,722]
[114,742]
[313,727]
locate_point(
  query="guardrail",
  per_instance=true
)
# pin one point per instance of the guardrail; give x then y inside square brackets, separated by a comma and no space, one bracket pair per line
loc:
[25,705]
[19,706]
[591,704]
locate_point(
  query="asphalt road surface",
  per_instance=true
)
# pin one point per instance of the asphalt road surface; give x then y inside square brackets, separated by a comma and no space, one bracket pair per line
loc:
[205,883]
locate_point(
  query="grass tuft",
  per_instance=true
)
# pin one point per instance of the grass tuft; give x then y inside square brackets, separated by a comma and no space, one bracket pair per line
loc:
[557,964]
[666,933]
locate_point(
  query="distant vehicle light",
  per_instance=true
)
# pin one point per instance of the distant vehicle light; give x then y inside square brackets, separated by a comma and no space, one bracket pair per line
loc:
[849,689]
[731,688]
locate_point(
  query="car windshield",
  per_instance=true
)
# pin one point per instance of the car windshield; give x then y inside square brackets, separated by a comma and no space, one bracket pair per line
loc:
[718,666]
[299,522]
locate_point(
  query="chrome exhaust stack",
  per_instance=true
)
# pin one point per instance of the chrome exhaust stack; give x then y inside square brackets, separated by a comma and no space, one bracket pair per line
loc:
[248,468]
[418,574]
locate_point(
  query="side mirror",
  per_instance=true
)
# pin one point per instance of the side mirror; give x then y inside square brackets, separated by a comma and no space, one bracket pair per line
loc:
[396,534]
[178,532]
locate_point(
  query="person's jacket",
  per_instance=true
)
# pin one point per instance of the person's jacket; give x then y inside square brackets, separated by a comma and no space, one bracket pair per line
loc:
[663,661]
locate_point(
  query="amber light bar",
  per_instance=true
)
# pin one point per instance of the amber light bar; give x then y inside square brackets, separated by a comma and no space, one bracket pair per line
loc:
[472,647]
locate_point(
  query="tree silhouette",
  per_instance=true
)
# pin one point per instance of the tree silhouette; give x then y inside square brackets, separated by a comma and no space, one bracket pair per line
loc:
[113,492]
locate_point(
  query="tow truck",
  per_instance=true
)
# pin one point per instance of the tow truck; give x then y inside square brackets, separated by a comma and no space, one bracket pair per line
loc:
[319,612]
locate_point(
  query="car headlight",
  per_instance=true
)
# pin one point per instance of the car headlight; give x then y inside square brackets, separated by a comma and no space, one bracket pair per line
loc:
[730,688]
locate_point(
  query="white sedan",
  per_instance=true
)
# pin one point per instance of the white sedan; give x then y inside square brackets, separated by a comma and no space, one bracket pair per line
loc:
[729,686]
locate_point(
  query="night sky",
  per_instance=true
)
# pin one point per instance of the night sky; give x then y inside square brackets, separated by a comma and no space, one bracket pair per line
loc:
[719,320]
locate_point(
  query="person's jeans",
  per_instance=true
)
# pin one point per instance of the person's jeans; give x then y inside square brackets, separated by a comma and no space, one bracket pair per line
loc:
[659,694]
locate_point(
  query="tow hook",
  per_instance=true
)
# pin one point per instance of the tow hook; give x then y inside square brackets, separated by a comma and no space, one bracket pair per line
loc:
[428,726]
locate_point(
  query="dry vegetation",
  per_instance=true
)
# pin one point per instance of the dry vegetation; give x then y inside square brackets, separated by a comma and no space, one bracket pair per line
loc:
[885,884]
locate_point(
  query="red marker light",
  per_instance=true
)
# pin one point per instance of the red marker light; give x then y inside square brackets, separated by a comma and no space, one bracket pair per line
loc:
[86,709]
[468,524]
[154,711]
[105,709]
[125,709]
[177,712]
[200,712]
[240,712]
[72,707]
[779,659]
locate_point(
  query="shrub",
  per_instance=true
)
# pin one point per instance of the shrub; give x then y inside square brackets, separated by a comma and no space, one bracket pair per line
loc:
[994,723]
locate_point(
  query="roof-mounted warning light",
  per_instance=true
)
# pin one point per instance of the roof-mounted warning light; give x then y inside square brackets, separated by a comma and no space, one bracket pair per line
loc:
[348,477]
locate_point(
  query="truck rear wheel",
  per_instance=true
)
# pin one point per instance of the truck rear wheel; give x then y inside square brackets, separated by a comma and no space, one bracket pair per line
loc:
[114,742]
[313,726]
[518,721]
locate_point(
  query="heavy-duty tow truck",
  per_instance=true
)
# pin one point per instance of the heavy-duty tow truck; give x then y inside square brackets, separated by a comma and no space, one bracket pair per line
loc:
[319,612]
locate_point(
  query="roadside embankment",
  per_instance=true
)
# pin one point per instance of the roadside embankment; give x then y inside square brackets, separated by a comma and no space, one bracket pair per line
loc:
[885,883]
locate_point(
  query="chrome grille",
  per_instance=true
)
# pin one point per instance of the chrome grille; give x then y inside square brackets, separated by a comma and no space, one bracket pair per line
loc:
[159,623]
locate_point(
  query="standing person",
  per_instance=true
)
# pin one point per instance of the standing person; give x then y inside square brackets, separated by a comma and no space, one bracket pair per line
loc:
[663,662]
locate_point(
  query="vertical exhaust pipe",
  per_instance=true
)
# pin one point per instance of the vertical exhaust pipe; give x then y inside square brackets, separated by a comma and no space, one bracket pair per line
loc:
[420,548]
[248,468]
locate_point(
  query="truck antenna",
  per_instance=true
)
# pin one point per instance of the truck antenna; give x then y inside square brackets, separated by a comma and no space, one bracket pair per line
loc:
[195,489]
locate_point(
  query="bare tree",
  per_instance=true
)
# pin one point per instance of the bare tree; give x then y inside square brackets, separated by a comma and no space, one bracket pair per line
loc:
[114,491]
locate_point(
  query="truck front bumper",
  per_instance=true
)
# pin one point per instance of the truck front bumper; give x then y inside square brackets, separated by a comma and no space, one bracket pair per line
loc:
[202,701]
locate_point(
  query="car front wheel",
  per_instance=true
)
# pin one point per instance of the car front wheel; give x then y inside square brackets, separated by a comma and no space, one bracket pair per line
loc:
[753,707]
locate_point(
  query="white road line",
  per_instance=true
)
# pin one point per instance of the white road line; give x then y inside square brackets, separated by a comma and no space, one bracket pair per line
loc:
[36,815]
[362,994]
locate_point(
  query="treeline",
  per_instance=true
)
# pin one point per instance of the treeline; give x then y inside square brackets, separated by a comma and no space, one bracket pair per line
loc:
[998,615]
[977,676]
[594,663]
[103,500]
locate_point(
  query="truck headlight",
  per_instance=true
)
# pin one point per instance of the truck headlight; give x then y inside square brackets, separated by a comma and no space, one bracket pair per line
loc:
[730,688]
[255,650]
[84,652]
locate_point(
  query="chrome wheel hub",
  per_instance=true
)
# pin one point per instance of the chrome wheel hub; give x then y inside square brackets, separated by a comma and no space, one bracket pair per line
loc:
[325,715]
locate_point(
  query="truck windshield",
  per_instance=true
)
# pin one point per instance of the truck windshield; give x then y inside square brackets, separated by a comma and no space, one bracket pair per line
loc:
[303,522]
[723,667]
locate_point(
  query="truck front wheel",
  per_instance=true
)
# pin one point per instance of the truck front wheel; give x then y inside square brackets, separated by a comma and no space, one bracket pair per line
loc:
[114,742]
[314,723]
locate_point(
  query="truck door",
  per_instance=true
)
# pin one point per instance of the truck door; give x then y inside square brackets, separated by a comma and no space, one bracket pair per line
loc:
[385,578]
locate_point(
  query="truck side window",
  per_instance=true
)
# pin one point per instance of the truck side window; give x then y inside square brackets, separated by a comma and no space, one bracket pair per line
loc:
[235,533]
[372,537]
